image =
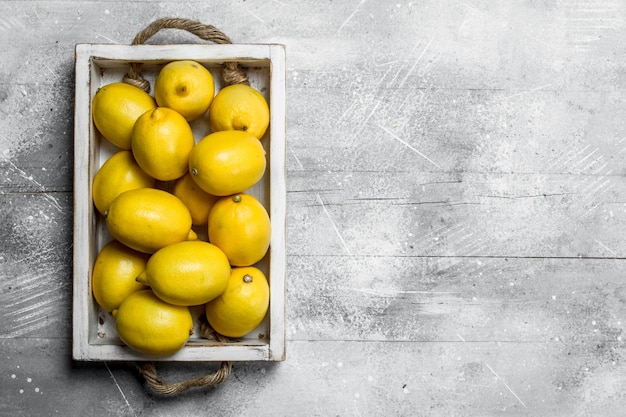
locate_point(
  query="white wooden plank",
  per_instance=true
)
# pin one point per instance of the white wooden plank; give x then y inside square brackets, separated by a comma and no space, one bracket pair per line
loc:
[332,377]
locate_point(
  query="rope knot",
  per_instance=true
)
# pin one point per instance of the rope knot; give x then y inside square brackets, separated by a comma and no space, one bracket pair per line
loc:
[232,72]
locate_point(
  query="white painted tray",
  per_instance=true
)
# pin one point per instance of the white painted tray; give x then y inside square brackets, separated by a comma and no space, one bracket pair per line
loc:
[94,336]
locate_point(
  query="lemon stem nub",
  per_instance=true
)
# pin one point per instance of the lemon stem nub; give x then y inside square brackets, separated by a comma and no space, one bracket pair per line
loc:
[237,198]
[142,278]
[247,278]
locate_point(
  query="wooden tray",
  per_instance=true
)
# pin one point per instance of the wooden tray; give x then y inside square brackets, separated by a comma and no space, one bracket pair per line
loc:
[94,335]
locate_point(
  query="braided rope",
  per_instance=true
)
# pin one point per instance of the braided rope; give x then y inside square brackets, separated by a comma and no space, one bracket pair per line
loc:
[232,71]
[162,387]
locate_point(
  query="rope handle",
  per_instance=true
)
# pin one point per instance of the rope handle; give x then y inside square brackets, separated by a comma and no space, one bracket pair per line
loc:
[232,72]
[162,387]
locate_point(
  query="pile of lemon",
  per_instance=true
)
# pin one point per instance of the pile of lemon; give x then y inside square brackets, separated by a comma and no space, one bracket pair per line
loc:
[159,186]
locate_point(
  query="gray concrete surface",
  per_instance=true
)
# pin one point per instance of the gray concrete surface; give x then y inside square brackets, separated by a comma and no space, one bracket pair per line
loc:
[456,209]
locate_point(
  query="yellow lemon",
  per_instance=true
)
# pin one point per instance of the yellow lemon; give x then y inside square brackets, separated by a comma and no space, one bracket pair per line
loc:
[161,142]
[239,107]
[229,162]
[240,226]
[114,273]
[147,219]
[242,306]
[185,86]
[115,109]
[151,326]
[119,173]
[197,200]
[187,273]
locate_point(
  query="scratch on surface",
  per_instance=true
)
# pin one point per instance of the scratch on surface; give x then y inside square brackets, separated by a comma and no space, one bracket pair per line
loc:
[31,318]
[369,116]
[603,185]
[347,111]
[473,247]
[415,63]
[597,171]
[358,100]
[51,71]
[31,326]
[558,164]
[437,230]
[438,236]
[386,292]
[332,222]
[40,255]
[506,385]
[586,25]
[296,158]
[37,300]
[594,183]
[460,29]
[107,38]
[9,23]
[256,17]
[119,389]
[586,157]
[592,163]
[526,92]
[605,247]
[591,204]
[455,230]
[351,15]
[409,146]
[35,306]
[401,67]
[470,7]
[29,178]
[589,211]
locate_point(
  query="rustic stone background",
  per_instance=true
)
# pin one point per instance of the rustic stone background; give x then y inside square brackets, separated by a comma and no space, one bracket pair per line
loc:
[456,209]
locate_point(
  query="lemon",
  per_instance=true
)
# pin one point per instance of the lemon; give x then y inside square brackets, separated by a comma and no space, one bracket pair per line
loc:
[229,162]
[187,273]
[115,109]
[240,226]
[151,326]
[147,219]
[119,173]
[242,306]
[197,200]
[239,107]
[185,86]
[161,142]
[114,273]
